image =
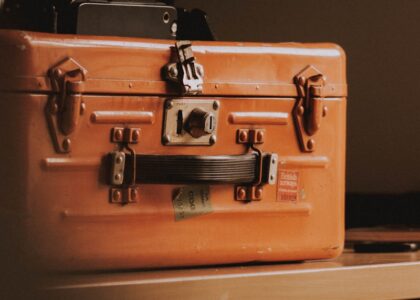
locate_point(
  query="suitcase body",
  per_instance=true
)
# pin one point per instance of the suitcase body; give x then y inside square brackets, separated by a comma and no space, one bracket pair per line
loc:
[107,164]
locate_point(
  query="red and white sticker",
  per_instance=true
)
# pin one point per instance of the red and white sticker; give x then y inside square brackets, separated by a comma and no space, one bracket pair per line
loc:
[288,185]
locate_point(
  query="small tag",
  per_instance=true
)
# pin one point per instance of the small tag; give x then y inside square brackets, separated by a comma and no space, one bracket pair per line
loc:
[191,201]
[288,184]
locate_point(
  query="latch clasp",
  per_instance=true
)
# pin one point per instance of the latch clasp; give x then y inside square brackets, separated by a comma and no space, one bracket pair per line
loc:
[309,109]
[64,109]
[186,70]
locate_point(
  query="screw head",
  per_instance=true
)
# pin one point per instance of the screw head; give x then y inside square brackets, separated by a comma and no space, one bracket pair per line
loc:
[213,140]
[58,73]
[243,136]
[241,194]
[173,71]
[82,108]
[324,111]
[169,104]
[260,136]
[67,145]
[116,196]
[216,105]
[133,194]
[311,144]
[301,110]
[302,80]
[166,139]
[274,161]
[118,135]
[54,108]
[135,135]
[258,193]
[117,177]
[119,160]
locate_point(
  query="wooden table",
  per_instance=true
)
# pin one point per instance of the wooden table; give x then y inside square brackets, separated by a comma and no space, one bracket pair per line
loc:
[352,276]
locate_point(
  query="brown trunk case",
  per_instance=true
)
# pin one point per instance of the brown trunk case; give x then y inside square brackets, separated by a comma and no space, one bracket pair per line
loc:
[127,153]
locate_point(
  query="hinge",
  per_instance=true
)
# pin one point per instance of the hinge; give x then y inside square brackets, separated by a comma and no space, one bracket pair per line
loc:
[267,165]
[186,71]
[120,193]
[267,174]
[123,184]
[309,109]
[65,108]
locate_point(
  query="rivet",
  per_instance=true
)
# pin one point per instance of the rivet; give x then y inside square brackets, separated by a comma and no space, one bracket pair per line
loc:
[58,73]
[271,177]
[54,108]
[216,86]
[260,136]
[133,194]
[241,194]
[169,104]
[324,111]
[311,144]
[243,136]
[166,139]
[258,193]
[274,161]
[116,196]
[135,135]
[119,160]
[257,87]
[118,135]
[130,85]
[173,71]
[216,105]
[213,140]
[301,110]
[82,108]
[117,177]
[67,144]
[302,80]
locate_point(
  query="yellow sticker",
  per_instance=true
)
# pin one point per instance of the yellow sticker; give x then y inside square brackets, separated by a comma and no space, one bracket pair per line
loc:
[191,201]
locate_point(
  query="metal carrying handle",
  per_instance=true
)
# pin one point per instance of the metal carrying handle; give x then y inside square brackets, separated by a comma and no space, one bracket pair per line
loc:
[190,169]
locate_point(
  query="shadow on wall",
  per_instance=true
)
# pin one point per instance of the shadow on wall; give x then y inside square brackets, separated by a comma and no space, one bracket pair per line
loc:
[382,41]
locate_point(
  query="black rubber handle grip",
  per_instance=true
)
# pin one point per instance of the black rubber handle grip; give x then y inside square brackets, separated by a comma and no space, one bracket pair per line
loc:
[188,169]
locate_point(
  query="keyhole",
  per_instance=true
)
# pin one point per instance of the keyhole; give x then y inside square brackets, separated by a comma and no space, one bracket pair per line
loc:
[179,122]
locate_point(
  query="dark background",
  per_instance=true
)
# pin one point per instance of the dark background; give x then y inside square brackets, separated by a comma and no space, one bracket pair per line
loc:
[382,41]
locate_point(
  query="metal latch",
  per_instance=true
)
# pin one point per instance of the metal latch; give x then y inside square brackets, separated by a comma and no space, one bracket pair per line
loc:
[63,110]
[309,109]
[186,71]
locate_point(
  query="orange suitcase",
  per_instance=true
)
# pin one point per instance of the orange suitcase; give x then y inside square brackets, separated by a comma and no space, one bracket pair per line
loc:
[137,153]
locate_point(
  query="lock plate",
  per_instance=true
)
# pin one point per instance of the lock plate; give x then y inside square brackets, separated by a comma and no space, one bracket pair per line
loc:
[177,120]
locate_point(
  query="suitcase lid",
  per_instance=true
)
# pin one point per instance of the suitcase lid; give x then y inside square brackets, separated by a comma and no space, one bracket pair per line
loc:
[113,65]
